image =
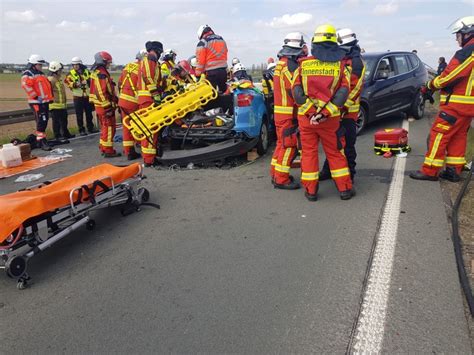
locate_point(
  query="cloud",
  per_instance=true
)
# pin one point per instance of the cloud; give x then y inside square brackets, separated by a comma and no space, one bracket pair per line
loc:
[185,16]
[429,44]
[127,12]
[386,9]
[288,20]
[350,4]
[82,26]
[27,16]
[234,10]
[151,32]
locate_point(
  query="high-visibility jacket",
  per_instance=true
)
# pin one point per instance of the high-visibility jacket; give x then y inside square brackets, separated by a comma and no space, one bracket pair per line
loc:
[59,93]
[128,87]
[102,91]
[282,83]
[457,82]
[169,83]
[211,53]
[36,86]
[352,105]
[267,82]
[78,82]
[320,80]
[149,79]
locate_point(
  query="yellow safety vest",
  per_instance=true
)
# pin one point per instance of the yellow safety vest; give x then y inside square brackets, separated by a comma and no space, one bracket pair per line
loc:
[74,77]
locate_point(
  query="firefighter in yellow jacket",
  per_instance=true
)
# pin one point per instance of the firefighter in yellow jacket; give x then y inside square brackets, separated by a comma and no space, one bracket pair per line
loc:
[58,108]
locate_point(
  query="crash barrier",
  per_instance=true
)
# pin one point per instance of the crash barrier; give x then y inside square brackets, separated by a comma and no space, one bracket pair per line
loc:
[35,218]
[391,140]
[144,123]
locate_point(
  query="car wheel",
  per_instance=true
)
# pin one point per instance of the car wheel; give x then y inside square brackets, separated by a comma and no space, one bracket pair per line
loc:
[262,145]
[361,120]
[418,107]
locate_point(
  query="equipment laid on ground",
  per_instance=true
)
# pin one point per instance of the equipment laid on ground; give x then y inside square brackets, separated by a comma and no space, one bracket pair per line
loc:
[148,121]
[10,156]
[35,218]
[394,140]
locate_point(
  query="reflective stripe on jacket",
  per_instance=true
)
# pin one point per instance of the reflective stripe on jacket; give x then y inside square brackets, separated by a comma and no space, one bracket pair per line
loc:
[456,82]
[282,83]
[352,105]
[128,86]
[74,81]
[102,91]
[320,80]
[36,85]
[149,78]
[59,93]
[211,53]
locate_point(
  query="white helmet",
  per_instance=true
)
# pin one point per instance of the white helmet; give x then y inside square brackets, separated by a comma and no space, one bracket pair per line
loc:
[270,66]
[36,59]
[76,60]
[345,36]
[238,67]
[465,25]
[193,61]
[203,29]
[235,61]
[294,40]
[55,66]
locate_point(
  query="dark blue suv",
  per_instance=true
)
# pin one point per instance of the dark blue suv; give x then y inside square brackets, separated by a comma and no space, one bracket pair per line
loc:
[392,86]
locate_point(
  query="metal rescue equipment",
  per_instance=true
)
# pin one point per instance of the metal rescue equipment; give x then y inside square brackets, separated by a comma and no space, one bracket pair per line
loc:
[148,121]
[37,217]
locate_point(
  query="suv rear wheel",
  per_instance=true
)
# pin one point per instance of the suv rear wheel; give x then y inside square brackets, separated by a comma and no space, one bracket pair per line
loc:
[418,107]
[361,119]
[262,145]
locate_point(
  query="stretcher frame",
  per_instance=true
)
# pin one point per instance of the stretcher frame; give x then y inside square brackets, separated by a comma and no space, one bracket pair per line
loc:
[41,232]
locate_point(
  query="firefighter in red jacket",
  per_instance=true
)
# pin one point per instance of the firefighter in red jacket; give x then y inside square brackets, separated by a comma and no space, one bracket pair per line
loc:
[39,92]
[211,55]
[321,87]
[128,102]
[102,95]
[149,93]
[285,111]
[448,135]
[350,113]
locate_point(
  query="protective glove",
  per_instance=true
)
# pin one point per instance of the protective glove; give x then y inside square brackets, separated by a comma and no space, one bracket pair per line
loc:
[110,112]
[317,119]
[157,99]
[424,90]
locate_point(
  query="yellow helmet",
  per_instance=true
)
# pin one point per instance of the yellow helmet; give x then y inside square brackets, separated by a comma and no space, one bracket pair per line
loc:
[325,33]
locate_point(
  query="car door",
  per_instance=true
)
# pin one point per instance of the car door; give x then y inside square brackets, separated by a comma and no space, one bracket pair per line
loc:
[382,87]
[403,94]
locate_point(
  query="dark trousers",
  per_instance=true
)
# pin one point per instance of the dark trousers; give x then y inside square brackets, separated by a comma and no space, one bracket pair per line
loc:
[59,117]
[81,105]
[218,79]
[41,116]
[350,136]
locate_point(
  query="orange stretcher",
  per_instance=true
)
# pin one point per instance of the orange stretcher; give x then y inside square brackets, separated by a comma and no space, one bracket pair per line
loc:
[35,218]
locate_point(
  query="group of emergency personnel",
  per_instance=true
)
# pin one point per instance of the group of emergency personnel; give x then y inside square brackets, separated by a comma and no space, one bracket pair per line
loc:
[316,99]
[313,89]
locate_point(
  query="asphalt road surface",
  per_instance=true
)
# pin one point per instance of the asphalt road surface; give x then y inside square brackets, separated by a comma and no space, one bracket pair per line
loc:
[231,265]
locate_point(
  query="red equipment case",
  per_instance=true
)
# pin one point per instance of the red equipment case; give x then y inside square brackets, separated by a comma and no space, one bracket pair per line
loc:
[393,140]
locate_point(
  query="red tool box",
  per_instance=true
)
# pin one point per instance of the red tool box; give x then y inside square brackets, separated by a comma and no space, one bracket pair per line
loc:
[393,140]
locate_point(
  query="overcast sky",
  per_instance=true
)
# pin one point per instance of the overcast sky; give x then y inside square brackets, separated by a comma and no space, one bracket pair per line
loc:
[254,30]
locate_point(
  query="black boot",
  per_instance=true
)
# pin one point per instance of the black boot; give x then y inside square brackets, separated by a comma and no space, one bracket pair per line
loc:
[44,145]
[292,185]
[311,197]
[450,174]
[133,155]
[347,194]
[82,132]
[418,175]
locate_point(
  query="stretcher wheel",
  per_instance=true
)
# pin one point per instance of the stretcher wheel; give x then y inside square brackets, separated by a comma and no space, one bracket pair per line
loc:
[16,267]
[90,225]
[144,194]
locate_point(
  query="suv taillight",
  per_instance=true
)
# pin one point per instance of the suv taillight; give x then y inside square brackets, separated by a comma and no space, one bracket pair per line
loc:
[244,100]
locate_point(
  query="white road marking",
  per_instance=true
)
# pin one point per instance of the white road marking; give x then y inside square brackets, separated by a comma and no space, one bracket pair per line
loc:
[370,329]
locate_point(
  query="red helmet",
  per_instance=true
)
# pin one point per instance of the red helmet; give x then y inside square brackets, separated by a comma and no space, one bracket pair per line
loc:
[103,58]
[270,60]
[181,69]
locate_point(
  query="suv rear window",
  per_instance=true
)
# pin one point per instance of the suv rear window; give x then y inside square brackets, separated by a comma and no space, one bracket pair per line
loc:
[414,60]
[402,64]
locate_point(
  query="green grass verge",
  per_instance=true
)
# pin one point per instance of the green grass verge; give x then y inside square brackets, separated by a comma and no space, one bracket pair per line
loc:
[470,145]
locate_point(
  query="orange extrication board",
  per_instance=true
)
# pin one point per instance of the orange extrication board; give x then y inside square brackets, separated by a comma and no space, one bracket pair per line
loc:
[17,207]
